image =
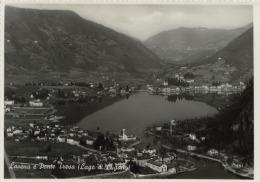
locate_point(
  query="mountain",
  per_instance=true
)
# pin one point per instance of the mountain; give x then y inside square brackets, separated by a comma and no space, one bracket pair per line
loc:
[238,53]
[191,44]
[55,40]
[233,129]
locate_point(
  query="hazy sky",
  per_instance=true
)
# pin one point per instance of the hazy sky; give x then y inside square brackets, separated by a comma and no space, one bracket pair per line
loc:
[143,21]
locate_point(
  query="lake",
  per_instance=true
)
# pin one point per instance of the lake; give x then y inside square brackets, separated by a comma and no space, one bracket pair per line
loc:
[142,110]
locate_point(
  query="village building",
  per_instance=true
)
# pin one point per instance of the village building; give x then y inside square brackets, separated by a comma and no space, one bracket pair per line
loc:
[191,148]
[89,140]
[192,136]
[212,152]
[72,134]
[158,128]
[237,164]
[41,138]
[17,131]
[36,132]
[157,166]
[36,103]
[123,149]
[203,138]
[165,83]
[32,125]
[70,140]
[85,134]
[168,158]
[10,134]
[166,90]
[190,81]
[61,138]
[142,160]
[125,137]
[9,102]
[7,109]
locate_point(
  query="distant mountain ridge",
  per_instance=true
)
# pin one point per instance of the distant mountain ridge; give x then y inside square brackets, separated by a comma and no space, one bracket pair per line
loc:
[191,44]
[238,53]
[57,40]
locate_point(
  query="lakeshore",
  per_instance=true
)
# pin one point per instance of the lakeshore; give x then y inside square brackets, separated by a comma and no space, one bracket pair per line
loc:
[224,164]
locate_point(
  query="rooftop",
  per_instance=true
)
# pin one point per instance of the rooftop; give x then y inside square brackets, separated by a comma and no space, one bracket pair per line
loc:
[155,163]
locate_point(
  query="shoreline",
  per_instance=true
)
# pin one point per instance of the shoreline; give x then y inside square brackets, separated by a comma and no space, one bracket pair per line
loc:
[144,176]
[215,160]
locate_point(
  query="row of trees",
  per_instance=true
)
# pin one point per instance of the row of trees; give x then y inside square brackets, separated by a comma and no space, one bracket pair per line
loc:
[177,82]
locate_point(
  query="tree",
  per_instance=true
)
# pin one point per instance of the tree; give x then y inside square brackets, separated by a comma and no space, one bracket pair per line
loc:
[82,141]
[48,149]
[100,86]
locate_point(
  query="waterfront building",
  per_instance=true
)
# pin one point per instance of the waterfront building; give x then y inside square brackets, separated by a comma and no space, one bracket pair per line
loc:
[125,137]
[213,88]
[157,166]
[172,123]
[171,169]
[237,164]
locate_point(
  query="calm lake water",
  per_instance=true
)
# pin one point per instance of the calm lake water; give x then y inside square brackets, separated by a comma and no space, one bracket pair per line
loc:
[141,110]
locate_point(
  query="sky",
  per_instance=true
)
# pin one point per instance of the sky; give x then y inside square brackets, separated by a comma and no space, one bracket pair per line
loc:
[143,21]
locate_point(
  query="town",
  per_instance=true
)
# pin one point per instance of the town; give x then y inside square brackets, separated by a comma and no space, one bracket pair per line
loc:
[109,153]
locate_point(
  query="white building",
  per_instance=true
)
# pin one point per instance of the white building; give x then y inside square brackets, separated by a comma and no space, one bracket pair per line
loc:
[190,81]
[158,128]
[61,139]
[9,102]
[192,136]
[191,148]
[89,140]
[124,137]
[212,152]
[166,90]
[165,84]
[70,140]
[157,166]
[237,164]
[36,103]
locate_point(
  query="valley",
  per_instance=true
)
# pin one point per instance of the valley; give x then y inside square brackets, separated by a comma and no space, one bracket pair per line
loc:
[92,102]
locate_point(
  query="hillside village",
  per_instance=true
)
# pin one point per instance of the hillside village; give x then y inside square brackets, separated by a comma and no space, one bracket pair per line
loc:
[56,76]
[121,151]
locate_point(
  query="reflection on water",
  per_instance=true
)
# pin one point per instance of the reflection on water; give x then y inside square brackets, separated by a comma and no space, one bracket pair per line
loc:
[174,98]
[136,112]
[140,110]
